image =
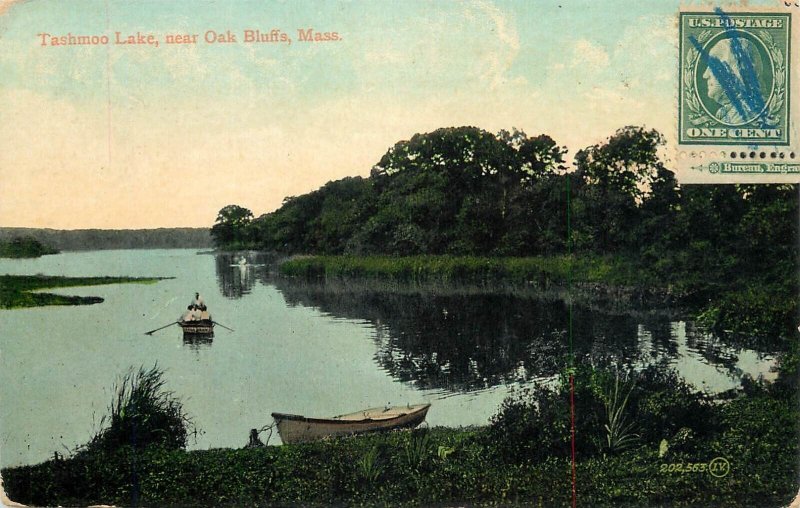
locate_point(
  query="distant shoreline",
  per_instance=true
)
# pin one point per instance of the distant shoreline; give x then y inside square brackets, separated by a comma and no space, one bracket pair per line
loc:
[110,239]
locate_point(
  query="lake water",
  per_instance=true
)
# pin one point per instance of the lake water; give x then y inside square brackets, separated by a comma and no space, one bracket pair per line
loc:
[306,348]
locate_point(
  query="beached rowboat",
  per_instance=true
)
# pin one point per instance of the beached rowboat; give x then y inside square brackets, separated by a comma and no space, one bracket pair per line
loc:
[300,429]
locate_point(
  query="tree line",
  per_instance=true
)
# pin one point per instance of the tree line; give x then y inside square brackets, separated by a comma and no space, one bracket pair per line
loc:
[24,247]
[98,239]
[466,191]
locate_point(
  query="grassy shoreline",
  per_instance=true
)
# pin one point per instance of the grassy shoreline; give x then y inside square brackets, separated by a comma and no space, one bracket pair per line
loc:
[530,271]
[19,291]
[421,468]
[745,305]
[665,456]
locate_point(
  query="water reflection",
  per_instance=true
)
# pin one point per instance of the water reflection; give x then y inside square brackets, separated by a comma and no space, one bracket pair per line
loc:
[462,342]
[467,339]
[198,342]
[238,272]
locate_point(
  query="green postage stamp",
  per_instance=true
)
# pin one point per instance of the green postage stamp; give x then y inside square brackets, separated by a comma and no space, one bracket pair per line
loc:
[737,113]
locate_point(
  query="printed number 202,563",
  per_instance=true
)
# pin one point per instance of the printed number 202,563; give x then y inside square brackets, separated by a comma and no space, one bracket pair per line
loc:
[691,467]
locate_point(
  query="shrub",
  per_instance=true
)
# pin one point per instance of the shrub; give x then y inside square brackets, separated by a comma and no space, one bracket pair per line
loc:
[665,404]
[142,414]
[534,424]
[610,416]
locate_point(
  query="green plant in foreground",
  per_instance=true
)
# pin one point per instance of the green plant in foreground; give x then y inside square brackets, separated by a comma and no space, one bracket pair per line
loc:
[619,432]
[370,465]
[143,413]
[444,451]
[417,448]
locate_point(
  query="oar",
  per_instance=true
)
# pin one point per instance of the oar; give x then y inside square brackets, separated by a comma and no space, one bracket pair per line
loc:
[220,324]
[157,329]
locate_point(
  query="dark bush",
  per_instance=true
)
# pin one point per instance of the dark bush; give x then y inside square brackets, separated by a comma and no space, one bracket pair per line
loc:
[535,422]
[613,411]
[664,404]
[142,414]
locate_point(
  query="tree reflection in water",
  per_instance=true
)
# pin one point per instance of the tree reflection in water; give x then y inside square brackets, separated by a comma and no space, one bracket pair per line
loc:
[468,338]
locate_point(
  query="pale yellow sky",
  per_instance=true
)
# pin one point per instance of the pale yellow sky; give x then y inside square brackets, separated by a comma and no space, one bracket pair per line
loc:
[115,136]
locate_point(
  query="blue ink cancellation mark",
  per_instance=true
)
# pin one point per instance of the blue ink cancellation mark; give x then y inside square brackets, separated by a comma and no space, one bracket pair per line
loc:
[732,72]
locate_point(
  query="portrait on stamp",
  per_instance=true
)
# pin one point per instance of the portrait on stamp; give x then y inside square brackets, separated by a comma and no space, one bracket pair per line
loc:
[734,78]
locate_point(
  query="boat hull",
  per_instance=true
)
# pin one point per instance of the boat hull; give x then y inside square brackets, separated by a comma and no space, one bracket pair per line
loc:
[202,327]
[300,429]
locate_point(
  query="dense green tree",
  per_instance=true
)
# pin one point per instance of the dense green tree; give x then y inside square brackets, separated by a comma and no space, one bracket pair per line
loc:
[628,162]
[657,235]
[322,221]
[454,190]
[617,177]
[726,250]
[461,189]
[722,248]
[231,225]
[24,247]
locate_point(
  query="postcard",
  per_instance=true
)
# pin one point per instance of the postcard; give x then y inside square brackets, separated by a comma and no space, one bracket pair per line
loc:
[348,252]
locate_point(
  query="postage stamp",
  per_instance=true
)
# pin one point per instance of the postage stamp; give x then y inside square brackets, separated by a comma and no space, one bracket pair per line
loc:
[736,111]
[733,78]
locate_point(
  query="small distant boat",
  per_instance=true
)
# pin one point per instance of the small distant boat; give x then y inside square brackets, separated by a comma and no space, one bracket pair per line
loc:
[300,429]
[197,323]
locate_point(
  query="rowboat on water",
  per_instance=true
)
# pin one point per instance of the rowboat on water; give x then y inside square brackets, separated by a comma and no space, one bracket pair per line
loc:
[197,323]
[300,429]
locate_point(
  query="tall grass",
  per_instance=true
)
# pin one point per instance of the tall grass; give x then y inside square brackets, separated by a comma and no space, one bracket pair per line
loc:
[370,466]
[540,271]
[619,431]
[417,449]
[142,413]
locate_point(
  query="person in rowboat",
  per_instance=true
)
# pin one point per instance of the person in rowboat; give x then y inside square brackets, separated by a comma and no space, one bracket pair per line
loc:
[198,302]
[197,314]
[189,315]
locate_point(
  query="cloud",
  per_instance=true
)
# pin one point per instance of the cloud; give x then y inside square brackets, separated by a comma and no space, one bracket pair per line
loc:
[500,61]
[587,53]
[5,5]
[251,124]
[627,82]
[460,46]
[646,51]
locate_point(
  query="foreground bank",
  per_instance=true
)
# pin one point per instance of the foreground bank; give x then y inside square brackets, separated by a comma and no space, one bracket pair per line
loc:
[677,447]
